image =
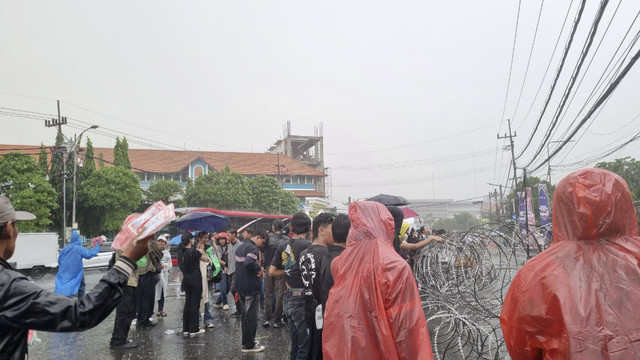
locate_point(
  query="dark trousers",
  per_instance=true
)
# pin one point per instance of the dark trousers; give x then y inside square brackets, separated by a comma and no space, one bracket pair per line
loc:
[249,307]
[125,313]
[161,301]
[295,309]
[273,287]
[193,293]
[146,296]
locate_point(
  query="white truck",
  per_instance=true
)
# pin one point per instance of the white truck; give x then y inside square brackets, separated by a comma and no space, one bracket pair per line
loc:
[36,253]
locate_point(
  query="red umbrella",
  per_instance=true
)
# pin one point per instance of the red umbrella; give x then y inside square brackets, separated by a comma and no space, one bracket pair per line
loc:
[408,213]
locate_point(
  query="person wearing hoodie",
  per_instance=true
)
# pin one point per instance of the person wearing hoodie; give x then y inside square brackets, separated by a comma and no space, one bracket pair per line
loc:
[373,309]
[70,274]
[578,299]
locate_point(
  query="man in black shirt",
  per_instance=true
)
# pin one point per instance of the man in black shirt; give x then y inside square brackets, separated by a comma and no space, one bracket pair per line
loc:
[339,230]
[286,263]
[310,262]
[273,286]
[248,275]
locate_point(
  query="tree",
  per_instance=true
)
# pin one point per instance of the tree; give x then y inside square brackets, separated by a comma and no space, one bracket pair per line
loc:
[43,159]
[23,181]
[88,165]
[109,194]
[89,157]
[121,153]
[223,190]
[289,202]
[101,160]
[267,196]
[167,191]
[532,182]
[629,169]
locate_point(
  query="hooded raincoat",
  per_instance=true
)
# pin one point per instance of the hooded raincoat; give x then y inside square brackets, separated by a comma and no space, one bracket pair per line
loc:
[70,267]
[374,309]
[579,298]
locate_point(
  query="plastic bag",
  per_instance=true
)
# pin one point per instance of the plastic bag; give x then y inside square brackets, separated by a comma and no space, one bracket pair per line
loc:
[153,219]
[374,309]
[578,299]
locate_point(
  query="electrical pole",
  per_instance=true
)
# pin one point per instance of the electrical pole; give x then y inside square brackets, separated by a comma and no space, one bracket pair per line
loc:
[61,120]
[513,161]
[279,174]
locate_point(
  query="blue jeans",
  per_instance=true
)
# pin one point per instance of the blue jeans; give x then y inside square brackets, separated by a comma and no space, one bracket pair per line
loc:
[294,308]
[208,307]
[224,290]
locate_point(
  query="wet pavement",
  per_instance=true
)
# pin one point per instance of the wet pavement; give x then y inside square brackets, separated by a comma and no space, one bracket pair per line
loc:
[164,341]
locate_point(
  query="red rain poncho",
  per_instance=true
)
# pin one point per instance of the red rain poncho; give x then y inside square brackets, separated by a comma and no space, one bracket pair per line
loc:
[579,298]
[374,309]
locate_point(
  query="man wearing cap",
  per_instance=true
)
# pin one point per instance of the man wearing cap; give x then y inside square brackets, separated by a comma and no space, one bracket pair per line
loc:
[27,306]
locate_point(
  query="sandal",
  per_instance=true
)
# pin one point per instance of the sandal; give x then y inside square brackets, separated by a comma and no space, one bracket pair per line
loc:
[161,313]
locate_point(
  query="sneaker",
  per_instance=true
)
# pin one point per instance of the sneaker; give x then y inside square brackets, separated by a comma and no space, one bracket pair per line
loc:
[129,344]
[148,323]
[201,331]
[225,307]
[217,306]
[279,323]
[254,349]
[266,323]
[186,333]
[236,313]
[209,326]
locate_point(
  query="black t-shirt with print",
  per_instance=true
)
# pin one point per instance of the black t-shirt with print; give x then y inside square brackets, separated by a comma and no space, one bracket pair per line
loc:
[286,259]
[310,263]
[326,278]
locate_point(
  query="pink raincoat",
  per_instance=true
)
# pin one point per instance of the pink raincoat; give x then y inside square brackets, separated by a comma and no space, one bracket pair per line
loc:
[374,309]
[579,299]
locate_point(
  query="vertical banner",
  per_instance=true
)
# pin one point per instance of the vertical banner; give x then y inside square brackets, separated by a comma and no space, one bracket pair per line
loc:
[545,214]
[531,217]
[527,217]
[521,215]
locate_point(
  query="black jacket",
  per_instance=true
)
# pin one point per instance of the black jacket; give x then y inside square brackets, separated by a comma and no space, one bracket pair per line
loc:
[25,306]
[247,267]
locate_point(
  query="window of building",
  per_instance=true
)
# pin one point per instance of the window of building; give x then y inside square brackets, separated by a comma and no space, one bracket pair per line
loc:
[197,171]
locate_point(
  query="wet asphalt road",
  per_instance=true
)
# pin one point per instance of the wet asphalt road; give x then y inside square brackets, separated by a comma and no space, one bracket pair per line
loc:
[164,341]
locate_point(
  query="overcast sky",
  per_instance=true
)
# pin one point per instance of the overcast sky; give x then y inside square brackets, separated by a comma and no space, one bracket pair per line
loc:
[410,94]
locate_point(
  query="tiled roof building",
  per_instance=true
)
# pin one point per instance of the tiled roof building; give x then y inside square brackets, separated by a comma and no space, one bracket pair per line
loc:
[181,166]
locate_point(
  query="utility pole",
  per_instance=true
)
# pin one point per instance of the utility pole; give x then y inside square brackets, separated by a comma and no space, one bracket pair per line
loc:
[279,174]
[490,212]
[513,160]
[61,120]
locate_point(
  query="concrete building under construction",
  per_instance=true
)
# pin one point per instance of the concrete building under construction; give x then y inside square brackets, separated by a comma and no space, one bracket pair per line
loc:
[305,149]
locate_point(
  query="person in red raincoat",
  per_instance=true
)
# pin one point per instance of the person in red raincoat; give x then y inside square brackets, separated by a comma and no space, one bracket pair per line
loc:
[579,298]
[374,309]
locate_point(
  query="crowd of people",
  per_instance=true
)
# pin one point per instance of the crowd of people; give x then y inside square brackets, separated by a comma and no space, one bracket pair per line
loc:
[343,284]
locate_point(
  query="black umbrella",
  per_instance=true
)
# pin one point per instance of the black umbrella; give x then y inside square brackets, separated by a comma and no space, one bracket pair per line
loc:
[385,199]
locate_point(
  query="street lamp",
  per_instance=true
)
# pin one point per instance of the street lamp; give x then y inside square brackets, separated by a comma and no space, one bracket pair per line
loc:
[75,170]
